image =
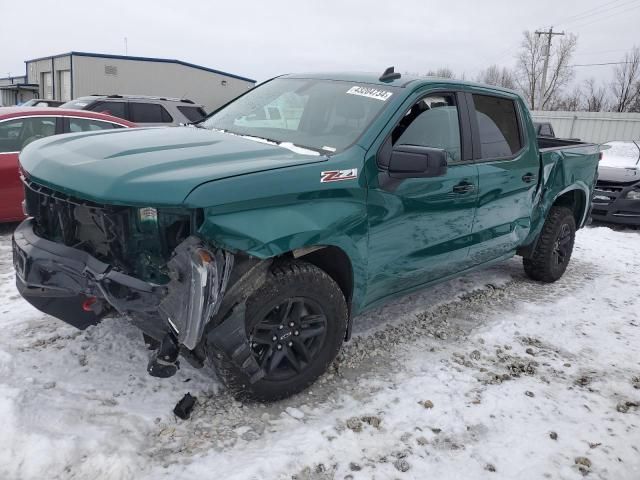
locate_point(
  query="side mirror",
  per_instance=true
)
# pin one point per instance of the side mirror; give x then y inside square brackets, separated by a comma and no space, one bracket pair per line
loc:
[411,161]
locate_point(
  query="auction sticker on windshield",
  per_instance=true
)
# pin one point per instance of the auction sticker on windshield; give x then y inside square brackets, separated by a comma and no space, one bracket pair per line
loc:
[370,93]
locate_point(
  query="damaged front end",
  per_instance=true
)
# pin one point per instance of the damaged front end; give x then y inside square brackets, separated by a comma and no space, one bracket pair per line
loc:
[199,278]
[80,261]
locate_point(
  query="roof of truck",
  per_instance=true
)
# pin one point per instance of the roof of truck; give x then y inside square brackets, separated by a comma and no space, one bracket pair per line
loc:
[403,81]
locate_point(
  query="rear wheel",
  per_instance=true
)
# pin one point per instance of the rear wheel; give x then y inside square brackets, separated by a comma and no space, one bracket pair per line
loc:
[295,322]
[555,245]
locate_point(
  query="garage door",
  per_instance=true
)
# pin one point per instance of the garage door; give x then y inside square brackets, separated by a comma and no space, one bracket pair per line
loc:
[47,86]
[65,85]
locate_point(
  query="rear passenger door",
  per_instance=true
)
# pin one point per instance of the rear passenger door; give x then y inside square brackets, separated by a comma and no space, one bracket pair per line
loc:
[508,169]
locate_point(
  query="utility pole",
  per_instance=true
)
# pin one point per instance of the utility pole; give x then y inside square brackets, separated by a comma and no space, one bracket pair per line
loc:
[547,54]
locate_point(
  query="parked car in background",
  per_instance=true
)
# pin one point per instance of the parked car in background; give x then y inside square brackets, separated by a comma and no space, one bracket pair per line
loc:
[544,129]
[616,198]
[142,110]
[19,126]
[252,245]
[41,102]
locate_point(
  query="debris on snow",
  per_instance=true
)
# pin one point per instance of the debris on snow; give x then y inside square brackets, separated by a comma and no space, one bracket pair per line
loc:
[623,407]
[426,403]
[583,464]
[184,407]
[402,465]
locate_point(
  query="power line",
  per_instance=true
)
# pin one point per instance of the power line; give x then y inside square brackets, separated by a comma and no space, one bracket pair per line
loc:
[601,51]
[596,64]
[585,15]
[599,19]
[594,11]
[585,12]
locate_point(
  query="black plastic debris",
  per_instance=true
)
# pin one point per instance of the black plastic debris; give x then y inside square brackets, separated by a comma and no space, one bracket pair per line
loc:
[184,407]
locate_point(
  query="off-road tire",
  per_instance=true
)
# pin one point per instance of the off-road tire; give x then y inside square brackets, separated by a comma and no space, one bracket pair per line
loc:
[286,280]
[543,265]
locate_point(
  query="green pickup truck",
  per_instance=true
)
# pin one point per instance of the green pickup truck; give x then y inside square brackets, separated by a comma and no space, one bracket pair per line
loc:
[250,240]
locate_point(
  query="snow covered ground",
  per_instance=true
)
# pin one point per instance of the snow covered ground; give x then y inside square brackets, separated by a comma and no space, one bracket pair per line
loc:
[487,376]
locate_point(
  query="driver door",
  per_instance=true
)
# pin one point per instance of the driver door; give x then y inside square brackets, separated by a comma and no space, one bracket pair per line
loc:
[420,228]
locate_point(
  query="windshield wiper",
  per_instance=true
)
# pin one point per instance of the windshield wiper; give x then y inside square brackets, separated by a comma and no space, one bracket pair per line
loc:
[283,143]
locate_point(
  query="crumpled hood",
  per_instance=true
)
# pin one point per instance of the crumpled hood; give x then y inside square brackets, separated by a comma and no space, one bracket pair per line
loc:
[148,166]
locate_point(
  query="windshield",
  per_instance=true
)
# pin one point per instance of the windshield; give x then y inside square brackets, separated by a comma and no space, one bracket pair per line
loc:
[78,103]
[621,154]
[321,115]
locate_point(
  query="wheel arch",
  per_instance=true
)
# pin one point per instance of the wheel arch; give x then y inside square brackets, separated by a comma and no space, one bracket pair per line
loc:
[574,198]
[334,262]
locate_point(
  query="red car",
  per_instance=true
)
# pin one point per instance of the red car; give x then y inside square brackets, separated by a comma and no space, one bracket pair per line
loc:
[20,126]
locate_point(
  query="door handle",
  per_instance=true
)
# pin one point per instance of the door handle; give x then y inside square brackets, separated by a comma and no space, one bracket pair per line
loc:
[528,177]
[464,187]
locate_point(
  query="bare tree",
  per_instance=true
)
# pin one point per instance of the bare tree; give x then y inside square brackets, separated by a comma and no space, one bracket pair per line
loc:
[626,81]
[444,72]
[571,102]
[530,64]
[595,96]
[501,77]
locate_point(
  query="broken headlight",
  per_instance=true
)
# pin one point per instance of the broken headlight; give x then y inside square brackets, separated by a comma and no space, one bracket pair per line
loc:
[199,278]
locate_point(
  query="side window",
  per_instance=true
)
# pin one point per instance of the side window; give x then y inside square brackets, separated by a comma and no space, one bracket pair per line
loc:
[10,135]
[89,125]
[498,126]
[148,113]
[193,114]
[431,122]
[110,108]
[17,134]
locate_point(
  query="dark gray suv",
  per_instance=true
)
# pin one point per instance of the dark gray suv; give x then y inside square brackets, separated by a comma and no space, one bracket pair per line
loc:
[142,110]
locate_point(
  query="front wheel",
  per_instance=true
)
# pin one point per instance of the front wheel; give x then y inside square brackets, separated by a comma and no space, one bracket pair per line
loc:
[295,323]
[555,245]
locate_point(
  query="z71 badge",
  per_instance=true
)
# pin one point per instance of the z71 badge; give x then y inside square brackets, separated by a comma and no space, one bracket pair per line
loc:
[338,175]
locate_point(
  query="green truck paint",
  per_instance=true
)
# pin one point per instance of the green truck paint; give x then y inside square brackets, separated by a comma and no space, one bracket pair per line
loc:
[386,233]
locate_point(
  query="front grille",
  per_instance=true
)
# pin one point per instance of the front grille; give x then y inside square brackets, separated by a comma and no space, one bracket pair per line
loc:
[100,230]
[606,192]
[113,234]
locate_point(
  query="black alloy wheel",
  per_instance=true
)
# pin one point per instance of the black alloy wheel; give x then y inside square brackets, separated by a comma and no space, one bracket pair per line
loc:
[287,340]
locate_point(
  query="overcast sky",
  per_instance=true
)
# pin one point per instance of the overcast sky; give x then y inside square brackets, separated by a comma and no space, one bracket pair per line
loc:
[260,39]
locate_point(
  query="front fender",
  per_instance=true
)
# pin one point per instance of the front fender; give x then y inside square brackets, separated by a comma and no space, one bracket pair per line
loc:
[276,230]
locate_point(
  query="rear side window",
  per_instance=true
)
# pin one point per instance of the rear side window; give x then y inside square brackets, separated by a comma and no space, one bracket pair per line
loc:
[498,126]
[148,113]
[117,109]
[193,114]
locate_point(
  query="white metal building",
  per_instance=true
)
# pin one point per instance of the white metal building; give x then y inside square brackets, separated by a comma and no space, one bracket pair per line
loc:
[597,127]
[16,90]
[76,74]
